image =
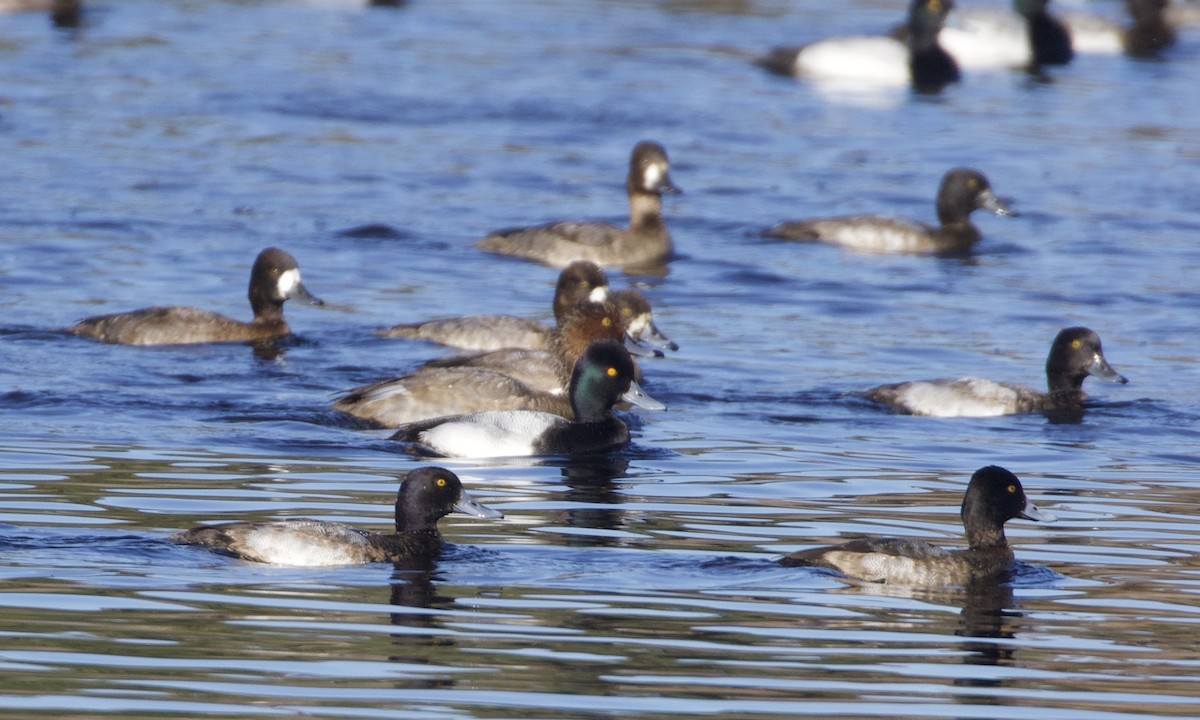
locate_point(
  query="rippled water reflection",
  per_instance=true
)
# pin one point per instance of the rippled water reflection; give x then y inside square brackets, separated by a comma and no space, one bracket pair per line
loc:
[152,153]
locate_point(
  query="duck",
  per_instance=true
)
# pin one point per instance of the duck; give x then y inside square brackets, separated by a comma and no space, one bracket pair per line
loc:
[274,279]
[579,282]
[646,242]
[1075,354]
[962,191]
[993,497]
[426,495]
[868,62]
[602,377]
[500,380]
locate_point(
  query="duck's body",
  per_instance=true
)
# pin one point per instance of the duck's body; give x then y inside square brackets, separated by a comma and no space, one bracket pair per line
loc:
[274,279]
[1150,32]
[646,242]
[425,496]
[602,376]
[962,191]
[580,282]
[1075,354]
[993,497]
[870,62]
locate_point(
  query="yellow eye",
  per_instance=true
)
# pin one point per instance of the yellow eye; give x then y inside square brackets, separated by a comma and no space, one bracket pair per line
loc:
[606,322]
[611,372]
[441,482]
[935,6]
[586,284]
[1076,344]
[1012,489]
[972,184]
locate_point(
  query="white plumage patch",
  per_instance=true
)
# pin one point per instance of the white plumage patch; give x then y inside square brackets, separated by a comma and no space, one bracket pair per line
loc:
[875,234]
[652,175]
[965,397]
[502,433]
[304,542]
[987,40]
[287,282]
[857,61]
[598,294]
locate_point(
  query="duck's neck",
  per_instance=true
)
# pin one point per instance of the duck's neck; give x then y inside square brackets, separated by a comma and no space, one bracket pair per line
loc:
[986,536]
[1049,39]
[931,66]
[266,310]
[645,212]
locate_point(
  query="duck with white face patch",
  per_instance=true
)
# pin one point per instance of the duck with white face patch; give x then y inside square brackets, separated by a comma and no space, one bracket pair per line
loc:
[274,279]
[646,242]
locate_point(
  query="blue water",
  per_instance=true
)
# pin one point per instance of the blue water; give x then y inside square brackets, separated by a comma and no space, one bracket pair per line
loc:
[150,154]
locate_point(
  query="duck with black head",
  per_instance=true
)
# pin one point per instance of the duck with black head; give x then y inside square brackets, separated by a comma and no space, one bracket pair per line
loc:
[1075,354]
[426,495]
[993,497]
[962,191]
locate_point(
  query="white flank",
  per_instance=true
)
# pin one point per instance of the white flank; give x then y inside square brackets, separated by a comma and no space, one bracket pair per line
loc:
[304,542]
[987,40]
[965,397]
[864,61]
[502,433]
[875,234]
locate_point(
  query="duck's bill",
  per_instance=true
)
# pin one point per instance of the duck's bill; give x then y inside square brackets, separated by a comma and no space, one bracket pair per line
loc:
[652,336]
[635,395]
[666,187]
[988,201]
[301,293]
[470,506]
[1033,512]
[637,349]
[1101,369]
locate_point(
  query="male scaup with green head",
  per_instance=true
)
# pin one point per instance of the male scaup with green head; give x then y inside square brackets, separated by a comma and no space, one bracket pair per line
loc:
[1074,355]
[602,377]
[994,496]
[274,279]
[579,282]
[646,242]
[963,190]
[880,61]
[426,495]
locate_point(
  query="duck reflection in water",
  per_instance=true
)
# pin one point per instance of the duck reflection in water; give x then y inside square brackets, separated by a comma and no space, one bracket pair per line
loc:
[594,500]
[416,602]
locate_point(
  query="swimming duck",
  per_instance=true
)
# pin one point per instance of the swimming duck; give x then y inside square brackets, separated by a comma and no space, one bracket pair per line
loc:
[581,281]
[602,376]
[645,242]
[994,496]
[1075,354]
[963,190]
[274,279]
[877,61]
[63,13]
[426,495]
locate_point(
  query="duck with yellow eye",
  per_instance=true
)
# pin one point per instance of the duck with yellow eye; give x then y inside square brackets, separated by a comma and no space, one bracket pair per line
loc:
[962,192]
[603,376]
[426,495]
[993,497]
[1075,354]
